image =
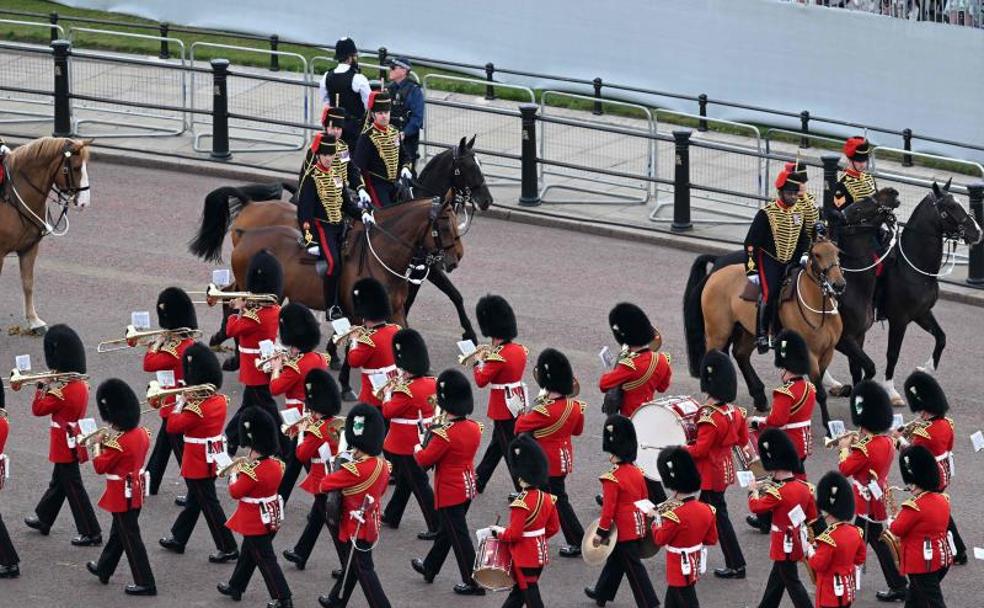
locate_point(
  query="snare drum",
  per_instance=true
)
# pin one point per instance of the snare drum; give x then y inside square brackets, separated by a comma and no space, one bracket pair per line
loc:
[493,565]
[660,423]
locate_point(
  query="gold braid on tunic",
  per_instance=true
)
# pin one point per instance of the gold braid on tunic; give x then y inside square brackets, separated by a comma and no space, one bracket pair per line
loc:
[806,204]
[388,146]
[786,225]
[330,192]
[859,187]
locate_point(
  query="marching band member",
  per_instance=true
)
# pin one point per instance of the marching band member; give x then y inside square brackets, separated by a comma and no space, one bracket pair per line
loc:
[622,486]
[120,457]
[684,525]
[790,502]
[867,458]
[200,421]
[639,372]
[533,521]
[409,403]
[259,514]
[720,426]
[174,311]
[381,157]
[250,326]
[300,333]
[839,552]
[362,483]
[320,439]
[554,418]
[925,554]
[934,430]
[65,403]
[450,448]
[372,349]
[9,560]
[501,369]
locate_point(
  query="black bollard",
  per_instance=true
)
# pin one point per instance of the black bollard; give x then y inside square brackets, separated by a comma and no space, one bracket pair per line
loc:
[63,106]
[681,182]
[220,110]
[530,192]
[830,162]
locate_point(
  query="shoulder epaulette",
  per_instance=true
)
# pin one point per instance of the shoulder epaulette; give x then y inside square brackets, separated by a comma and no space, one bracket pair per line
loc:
[584,406]
[627,360]
[553,498]
[171,348]
[365,337]
[481,427]
[707,417]
[713,509]
[912,504]
[352,467]
[541,407]
[743,410]
[249,470]
[250,314]
[785,389]
[442,432]
[520,502]
[494,355]
[813,488]
[774,491]
[294,363]
[827,539]
[403,387]
[862,444]
[609,475]
[922,430]
[315,429]
[195,407]
[672,516]
[113,442]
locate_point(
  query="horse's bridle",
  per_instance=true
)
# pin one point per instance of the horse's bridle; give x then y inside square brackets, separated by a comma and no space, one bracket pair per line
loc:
[423,258]
[461,194]
[65,197]
[820,273]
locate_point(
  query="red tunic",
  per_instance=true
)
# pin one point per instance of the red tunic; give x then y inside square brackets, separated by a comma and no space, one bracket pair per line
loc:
[452,449]
[201,423]
[65,405]
[290,382]
[368,476]
[719,428]
[532,520]
[685,531]
[4,429]
[255,488]
[640,375]
[308,445]
[871,454]
[780,499]
[501,370]
[251,327]
[921,526]
[937,437]
[552,423]
[621,487]
[840,552]
[408,402]
[792,411]
[372,351]
[121,461]
[167,358]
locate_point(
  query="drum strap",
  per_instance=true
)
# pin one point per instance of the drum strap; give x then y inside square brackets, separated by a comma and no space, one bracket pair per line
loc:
[799,404]
[365,485]
[556,426]
[653,362]
[535,512]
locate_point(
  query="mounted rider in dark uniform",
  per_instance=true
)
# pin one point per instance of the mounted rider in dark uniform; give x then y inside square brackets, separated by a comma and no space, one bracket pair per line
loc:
[333,120]
[381,157]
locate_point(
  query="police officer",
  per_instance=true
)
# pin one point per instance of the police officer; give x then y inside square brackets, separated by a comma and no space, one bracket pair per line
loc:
[345,87]
[408,105]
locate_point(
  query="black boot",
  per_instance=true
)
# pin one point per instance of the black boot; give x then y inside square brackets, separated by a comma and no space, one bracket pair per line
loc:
[762,322]
[879,298]
[329,291]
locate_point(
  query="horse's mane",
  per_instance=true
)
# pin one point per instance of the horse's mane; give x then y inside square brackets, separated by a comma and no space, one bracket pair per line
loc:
[45,148]
[432,165]
[395,211]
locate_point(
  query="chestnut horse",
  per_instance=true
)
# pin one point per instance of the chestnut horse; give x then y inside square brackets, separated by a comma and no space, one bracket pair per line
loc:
[33,171]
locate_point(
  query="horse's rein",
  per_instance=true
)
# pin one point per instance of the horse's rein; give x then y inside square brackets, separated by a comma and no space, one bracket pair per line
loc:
[65,197]
[819,277]
[431,257]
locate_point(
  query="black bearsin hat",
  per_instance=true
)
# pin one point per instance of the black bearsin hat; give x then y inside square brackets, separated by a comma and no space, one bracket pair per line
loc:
[370,300]
[63,350]
[553,372]
[630,325]
[919,468]
[118,404]
[265,274]
[410,352]
[454,393]
[871,407]
[299,328]
[496,318]
[321,393]
[175,310]
[777,451]
[925,394]
[792,353]
[201,366]
[365,429]
[619,438]
[528,462]
[677,470]
[717,376]
[835,496]
[259,431]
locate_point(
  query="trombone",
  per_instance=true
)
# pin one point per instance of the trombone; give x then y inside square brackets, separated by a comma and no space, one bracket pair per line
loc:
[214,295]
[133,337]
[156,395]
[830,442]
[17,379]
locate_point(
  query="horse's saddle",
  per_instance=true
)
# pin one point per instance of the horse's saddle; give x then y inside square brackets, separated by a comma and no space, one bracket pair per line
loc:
[788,290]
[344,246]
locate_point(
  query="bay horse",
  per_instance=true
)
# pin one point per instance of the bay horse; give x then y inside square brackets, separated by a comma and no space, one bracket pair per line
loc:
[715,316]
[33,171]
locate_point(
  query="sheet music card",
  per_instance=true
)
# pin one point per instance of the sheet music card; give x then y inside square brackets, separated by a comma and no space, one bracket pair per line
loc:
[165,377]
[745,478]
[140,319]
[607,357]
[836,428]
[23,363]
[341,326]
[221,277]
[466,347]
[977,440]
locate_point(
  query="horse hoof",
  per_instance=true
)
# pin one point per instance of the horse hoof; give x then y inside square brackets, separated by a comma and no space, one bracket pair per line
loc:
[40,330]
[349,395]
[231,364]
[840,391]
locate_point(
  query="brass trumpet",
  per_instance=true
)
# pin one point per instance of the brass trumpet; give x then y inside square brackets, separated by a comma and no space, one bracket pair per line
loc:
[355,329]
[830,442]
[214,295]
[97,437]
[478,355]
[389,385]
[909,428]
[156,395]
[292,429]
[233,466]
[265,364]
[17,379]
[133,337]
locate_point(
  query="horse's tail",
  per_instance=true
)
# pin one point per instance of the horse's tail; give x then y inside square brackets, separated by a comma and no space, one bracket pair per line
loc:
[222,205]
[693,315]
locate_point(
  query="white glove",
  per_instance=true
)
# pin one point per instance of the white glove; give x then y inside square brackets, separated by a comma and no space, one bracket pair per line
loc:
[364,197]
[313,250]
[754,279]
[804,259]
[367,218]
[4,149]
[405,173]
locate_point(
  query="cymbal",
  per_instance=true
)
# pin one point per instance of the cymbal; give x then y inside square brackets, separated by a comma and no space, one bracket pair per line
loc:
[596,556]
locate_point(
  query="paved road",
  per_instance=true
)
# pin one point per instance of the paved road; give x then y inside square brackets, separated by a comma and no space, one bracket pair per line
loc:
[131,243]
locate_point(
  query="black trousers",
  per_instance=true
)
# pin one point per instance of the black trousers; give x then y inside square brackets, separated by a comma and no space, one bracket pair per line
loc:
[257,552]
[569,523]
[312,529]
[733,557]
[292,470]
[529,597]
[625,561]
[253,396]
[362,570]
[410,479]
[784,578]
[124,537]
[925,591]
[165,444]
[682,597]
[8,555]
[203,501]
[872,533]
[503,432]
[452,533]
[66,482]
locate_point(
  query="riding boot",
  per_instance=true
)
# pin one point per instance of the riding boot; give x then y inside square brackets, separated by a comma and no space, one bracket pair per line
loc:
[762,322]
[879,299]
[329,285]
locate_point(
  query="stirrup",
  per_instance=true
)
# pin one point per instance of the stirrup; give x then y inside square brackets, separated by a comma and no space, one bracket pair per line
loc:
[334,313]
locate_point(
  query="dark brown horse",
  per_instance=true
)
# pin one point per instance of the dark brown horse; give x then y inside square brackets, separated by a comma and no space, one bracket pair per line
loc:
[34,170]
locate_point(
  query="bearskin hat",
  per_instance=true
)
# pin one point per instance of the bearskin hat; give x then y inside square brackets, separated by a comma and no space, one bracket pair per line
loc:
[528,462]
[265,275]
[792,353]
[777,451]
[410,352]
[835,496]
[321,393]
[259,431]
[201,366]
[919,468]
[496,318]
[677,470]
[63,350]
[370,300]
[925,394]
[175,310]
[630,325]
[299,328]
[118,404]
[553,372]
[365,429]
[871,407]
[345,48]
[619,438]
[454,393]
[717,376]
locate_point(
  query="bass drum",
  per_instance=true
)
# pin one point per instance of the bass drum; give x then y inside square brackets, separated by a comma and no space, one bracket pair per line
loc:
[661,423]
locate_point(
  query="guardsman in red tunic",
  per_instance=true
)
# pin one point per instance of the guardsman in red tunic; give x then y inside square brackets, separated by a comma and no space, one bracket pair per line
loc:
[260,511]
[792,507]
[174,311]
[639,372]
[934,430]
[720,427]
[867,459]
[622,487]
[9,560]
[501,369]
[317,444]
[362,483]
[684,525]
[533,521]
[252,325]
[372,349]
[450,447]
[839,552]
[200,421]
[408,407]
[65,402]
[554,419]
[300,333]
[120,456]
[926,551]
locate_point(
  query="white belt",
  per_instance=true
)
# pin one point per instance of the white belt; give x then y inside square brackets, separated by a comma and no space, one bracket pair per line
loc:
[111,477]
[203,440]
[796,425]
[409,420]
[249,351]
[256,501]
[534,533]
[380,370]
[503,387]
[293,402]
[944,456]
[776,528]
[682,550]
[317,461]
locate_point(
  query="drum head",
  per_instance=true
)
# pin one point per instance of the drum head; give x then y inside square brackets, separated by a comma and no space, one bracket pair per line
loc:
[656,427]
[596,556]
[493,579]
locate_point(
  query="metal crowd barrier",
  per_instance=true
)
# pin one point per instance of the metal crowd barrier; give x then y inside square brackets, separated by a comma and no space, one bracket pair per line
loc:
[20,65]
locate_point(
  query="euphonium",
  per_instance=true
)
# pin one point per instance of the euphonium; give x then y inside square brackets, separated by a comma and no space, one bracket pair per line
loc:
[17,379]
[133,337]
[156,395]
